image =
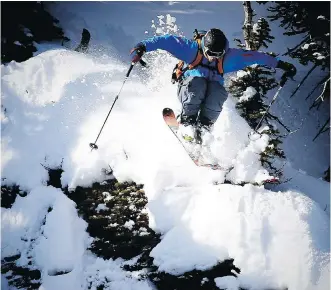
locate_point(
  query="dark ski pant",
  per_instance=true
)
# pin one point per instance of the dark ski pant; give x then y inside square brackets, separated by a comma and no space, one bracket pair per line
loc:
[198,94]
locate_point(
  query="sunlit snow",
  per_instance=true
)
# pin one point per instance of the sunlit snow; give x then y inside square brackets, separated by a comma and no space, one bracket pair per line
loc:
[56,103]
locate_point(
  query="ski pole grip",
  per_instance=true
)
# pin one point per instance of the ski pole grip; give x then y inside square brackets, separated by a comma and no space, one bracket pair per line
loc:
[143,63]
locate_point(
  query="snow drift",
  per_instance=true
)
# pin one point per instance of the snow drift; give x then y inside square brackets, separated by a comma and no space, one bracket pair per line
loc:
[54,105]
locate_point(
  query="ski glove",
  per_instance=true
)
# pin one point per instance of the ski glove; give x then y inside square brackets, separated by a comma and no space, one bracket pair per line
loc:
[290,71]
[137,52]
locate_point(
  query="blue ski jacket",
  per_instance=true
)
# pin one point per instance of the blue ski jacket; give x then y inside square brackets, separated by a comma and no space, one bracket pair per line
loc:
[186,50]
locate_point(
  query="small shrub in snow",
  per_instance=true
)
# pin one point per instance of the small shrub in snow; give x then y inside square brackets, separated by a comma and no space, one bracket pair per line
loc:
[195,279]
[9,194]
[119,228]
[23,25]
[20,277]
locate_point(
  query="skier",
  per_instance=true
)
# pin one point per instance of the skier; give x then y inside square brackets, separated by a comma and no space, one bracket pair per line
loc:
[205,59]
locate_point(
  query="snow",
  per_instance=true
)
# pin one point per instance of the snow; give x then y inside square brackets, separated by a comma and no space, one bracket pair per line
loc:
[249,93]
[229,283]
[61,108]
[56,103]
[321,17]
[170,20]
[263,224]
[101,207]
[246,166]
[129,224]
[306,46]
[99,271]
[318,55]
[107,196]
[44,225]
[256,26]
[241,73]
[63,112]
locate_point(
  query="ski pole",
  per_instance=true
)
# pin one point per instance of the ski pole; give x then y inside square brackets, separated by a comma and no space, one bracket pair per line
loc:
[94,145]
[273,100]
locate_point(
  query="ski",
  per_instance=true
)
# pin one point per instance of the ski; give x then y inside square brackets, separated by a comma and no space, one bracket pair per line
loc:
[272,181]
[171,121]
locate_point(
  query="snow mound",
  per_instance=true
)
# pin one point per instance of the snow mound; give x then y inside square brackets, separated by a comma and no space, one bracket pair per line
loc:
[57,101]
[55,104]
[44,228]
[277,239]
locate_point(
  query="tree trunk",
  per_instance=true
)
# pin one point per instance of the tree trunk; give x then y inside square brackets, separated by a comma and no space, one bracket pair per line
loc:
[248,25]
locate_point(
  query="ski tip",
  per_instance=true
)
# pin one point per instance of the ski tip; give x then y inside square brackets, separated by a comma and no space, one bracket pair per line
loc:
[167,111]
[272,181]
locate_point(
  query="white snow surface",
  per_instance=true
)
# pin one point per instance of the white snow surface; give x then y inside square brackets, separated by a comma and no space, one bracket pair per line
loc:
[269,234]
[56,103]
[248,94]
[44,225]
[227,282]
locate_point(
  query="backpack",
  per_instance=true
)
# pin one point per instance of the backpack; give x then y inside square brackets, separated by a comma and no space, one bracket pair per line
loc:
[179,69]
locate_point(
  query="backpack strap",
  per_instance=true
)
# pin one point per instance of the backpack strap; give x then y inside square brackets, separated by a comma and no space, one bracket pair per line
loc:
[179,70]
[220,66]
[199,56]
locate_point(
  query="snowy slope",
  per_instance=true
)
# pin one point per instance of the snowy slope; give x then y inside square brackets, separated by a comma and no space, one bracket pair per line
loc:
[54,105]
[60,111]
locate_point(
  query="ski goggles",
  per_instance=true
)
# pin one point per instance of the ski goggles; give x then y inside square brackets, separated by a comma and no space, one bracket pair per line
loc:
[212,53]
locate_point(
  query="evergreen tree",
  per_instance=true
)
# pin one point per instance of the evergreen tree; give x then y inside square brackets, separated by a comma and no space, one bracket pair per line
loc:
[261,33]
[24,23]
[312,21]
[251,86]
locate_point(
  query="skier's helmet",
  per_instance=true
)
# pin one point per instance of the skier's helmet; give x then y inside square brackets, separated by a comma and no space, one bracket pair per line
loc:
[215,44]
